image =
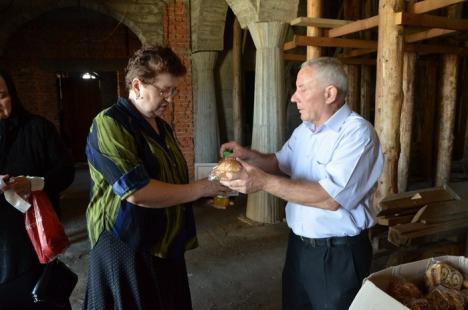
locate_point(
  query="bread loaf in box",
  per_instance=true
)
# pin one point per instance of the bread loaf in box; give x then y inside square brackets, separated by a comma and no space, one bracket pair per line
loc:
[419,304]
[443,274]
[442,298]
[403,291]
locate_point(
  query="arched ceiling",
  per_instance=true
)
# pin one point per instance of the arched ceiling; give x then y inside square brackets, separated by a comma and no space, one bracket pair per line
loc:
[208,18]
[144,19]
[254,11]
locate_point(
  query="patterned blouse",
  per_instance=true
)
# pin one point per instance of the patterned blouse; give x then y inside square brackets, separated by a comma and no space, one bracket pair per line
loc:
[124,153]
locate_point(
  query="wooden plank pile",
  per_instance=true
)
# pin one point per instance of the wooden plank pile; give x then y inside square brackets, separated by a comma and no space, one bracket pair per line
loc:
[418,216]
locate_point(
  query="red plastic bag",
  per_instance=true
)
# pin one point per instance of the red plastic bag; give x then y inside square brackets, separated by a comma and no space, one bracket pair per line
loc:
[44,228]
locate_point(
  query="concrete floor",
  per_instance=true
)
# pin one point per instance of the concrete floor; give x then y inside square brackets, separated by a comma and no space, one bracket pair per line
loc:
[237,265]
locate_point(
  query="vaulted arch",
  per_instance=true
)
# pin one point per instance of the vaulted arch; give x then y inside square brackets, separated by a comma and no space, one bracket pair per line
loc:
[143,19]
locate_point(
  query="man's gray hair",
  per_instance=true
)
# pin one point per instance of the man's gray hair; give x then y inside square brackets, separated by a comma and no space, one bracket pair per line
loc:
[330,70]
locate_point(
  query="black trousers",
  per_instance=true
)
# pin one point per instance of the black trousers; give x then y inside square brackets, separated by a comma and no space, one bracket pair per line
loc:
[322,274]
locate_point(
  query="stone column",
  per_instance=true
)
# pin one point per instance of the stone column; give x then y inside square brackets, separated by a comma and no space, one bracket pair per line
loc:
[205,112]
[269,110]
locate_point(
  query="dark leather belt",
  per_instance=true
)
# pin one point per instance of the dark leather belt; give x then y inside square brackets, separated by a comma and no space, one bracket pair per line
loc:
[333,241]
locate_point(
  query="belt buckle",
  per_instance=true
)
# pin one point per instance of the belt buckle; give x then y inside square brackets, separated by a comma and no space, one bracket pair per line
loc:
[309,241]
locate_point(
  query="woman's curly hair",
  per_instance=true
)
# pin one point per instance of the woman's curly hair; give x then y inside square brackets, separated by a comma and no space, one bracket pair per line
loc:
[150,61]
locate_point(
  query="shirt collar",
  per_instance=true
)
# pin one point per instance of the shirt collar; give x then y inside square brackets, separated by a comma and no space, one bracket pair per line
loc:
[334,122]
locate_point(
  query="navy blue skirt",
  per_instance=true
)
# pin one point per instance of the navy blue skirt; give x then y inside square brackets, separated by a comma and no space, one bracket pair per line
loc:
[121,278]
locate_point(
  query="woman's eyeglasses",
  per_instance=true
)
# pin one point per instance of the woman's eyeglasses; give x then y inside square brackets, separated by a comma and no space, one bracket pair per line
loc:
[166,93]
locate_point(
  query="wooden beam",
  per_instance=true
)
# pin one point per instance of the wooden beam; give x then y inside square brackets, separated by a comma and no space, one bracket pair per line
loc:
[435,49]
[289,45]
[436,212]
[318,22]
[294,57]
[358,61]
[404,234]
[414,48]
[427,34]
[356,26]
[393,220]
[358,52]
[430,21]
[410,202]
[333,42]
[431,5]
[349,61]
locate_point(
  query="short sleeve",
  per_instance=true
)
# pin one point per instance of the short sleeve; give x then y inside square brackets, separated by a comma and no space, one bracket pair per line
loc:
[112,151]
[354,168]
[283,156]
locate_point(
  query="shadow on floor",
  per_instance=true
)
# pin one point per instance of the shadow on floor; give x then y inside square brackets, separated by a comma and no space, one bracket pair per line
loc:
[236,266]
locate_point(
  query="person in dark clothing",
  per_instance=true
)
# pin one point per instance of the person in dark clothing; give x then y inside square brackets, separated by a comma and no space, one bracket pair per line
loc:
[30,146]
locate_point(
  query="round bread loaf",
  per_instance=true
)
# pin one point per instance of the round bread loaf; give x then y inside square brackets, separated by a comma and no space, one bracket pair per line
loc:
[225,165]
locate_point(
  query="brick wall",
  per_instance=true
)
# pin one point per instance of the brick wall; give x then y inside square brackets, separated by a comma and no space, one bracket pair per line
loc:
[35,51]
[52,38]
[180,115]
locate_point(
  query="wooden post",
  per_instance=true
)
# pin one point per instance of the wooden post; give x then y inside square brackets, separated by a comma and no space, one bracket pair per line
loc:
[406,119]
[269,110]
[206,114]
[314,9]
[351,11]
[389,94]
[447,118]
[352,99]
[237,81]
[459,144]
[428,91]
[463,132]
[367,94]
[448,99]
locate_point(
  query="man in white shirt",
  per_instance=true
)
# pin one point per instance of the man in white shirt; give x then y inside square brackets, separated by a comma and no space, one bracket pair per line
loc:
[327,172]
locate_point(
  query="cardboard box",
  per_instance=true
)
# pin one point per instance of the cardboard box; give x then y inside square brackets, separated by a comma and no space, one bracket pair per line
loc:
[372,294]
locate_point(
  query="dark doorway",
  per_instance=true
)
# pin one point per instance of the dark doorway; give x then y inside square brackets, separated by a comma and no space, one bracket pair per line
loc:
[80,101]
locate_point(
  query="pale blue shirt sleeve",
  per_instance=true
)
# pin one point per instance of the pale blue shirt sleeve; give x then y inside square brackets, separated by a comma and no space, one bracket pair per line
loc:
[354,167]
[283,156]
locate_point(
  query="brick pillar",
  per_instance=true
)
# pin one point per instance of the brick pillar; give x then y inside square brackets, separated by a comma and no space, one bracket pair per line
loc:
[177,36]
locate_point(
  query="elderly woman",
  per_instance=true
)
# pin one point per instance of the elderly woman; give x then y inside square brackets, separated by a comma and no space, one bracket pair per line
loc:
[140,219]
[29,146]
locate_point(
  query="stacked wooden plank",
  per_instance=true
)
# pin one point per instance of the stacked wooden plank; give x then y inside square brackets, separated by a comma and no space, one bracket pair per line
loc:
[444,218]
[415,216]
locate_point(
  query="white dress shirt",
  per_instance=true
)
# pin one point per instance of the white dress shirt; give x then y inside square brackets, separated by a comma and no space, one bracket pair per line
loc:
[344,156]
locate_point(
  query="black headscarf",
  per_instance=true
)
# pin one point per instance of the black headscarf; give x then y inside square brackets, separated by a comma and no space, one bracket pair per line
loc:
[9,126]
